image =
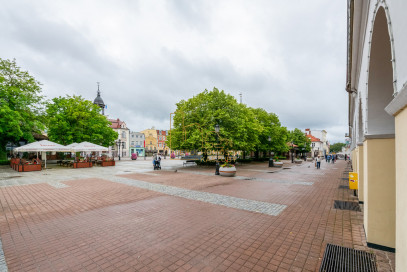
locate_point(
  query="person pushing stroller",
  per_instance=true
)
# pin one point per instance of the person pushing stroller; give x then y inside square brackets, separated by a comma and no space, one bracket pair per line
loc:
[157,162]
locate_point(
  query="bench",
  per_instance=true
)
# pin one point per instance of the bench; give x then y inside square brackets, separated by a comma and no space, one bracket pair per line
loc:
[193,162]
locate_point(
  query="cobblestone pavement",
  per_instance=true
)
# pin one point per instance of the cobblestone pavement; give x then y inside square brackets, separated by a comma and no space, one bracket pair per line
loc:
[129,218]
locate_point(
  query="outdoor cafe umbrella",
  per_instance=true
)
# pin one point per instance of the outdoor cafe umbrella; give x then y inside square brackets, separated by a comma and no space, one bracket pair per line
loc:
[88,147]
[42,146]
[70,146]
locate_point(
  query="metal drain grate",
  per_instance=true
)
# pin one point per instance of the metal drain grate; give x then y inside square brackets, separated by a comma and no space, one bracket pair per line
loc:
[347,205]
[338,258]
[343,187]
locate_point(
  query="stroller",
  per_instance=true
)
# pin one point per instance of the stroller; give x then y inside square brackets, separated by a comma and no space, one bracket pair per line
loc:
[157,163]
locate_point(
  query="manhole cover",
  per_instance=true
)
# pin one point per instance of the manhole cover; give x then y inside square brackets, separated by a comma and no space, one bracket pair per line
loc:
[343,187]
[271,172]
[347,205]
[284,168]
[339,258]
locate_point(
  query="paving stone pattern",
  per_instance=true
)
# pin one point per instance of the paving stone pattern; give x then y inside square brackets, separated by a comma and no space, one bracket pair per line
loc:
[3,265]
[216,199]
[95,224]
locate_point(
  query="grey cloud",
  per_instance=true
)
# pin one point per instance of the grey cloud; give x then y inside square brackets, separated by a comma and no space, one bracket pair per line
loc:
[310,43]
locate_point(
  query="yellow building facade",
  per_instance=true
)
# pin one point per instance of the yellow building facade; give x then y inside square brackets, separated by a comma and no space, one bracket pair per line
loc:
[151,140]
[377,89]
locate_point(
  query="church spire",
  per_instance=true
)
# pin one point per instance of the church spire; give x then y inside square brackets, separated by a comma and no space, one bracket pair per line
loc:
[99,101]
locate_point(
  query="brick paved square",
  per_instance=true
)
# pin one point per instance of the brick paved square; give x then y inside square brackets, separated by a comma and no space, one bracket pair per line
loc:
[189,220]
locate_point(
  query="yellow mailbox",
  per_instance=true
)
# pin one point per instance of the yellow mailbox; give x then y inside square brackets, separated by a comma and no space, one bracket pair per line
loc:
[353,180]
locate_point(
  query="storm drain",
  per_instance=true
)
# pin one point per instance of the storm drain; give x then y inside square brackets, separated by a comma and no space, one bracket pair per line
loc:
[338,258]
[343,187]
[347,205]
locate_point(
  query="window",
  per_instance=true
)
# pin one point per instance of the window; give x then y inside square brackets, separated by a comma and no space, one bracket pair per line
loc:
[132,135]
[132,143]
[123,134]
[151,142]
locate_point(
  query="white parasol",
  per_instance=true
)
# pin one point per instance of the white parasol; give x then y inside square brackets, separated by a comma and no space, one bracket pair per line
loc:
[88,147]
[42,146]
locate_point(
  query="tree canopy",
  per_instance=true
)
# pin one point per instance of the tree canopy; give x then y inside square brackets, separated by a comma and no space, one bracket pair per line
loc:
[337,147]
[74,119]
[21,105]
[298,138]
[241,127]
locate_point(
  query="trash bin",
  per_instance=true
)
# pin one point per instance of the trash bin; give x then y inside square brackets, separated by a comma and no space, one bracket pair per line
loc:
[271,162]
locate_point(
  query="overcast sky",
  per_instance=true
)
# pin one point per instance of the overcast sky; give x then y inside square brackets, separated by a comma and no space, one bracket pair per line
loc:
[288,57]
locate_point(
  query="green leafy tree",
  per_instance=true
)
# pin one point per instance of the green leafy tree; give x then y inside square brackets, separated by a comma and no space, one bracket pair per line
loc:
[21,105]
[195,120]
[337,147]
[273,137]
[74,119]
[298,138]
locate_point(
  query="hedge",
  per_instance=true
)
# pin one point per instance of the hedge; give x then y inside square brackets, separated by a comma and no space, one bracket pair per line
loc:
[4,162]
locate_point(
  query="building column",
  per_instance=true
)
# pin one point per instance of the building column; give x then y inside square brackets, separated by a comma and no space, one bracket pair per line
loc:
[354,159]
[401,186]
[361,175]
[379,192]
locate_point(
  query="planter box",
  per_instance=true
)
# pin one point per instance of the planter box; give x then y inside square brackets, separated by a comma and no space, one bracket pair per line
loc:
[82,164]
[31,167]
[297,161]
[18,167]
[310,159]
[26,167]
[227,171]
[108,163]
[278,164]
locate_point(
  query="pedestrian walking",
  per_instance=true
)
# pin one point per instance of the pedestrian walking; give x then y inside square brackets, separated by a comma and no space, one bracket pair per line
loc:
[318,161]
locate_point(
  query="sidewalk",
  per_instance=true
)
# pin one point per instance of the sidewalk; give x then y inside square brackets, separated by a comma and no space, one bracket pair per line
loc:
[266,219]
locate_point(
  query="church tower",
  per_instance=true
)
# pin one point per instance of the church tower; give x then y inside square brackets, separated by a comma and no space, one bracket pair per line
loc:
[99,101]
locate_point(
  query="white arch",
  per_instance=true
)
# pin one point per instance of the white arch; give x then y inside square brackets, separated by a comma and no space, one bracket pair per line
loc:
[378,5]
[380,74]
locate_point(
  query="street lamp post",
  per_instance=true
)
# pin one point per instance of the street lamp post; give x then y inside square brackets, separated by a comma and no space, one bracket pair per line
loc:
[292,152]
[123,143]
[271,163]
[118,143]
[217,129]
[305,153]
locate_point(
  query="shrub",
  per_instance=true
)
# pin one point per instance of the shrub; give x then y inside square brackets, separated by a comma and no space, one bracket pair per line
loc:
[4,162]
